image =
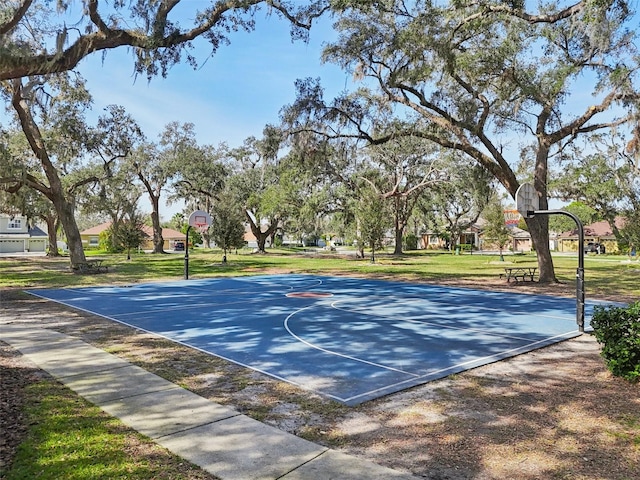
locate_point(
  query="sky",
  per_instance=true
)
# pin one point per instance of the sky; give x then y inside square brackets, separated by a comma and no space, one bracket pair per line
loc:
[231,96]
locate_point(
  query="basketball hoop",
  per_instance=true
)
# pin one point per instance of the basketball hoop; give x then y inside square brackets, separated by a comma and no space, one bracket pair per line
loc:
[200,220]
[201,227]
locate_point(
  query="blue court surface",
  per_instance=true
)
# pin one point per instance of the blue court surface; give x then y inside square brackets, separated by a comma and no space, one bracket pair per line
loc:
[349,339]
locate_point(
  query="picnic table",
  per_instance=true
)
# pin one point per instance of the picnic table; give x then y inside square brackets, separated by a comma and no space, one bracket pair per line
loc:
[519,273]
[90,266]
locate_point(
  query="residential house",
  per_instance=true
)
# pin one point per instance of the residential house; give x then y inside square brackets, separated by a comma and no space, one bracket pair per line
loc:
[519,241]
[433,241]
[91,237]
[598,232]
[16,236]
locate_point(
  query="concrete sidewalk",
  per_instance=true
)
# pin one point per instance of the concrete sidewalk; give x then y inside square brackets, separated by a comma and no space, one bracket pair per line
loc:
[217,438]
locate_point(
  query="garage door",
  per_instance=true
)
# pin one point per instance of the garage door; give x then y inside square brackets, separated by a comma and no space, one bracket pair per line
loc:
[11,246]
[37,245]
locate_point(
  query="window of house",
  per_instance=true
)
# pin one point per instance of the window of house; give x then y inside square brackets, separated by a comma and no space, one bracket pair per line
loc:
[15,224]
[433,239]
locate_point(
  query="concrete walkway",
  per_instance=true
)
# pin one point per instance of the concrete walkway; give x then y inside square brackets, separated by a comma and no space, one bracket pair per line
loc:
[220,440]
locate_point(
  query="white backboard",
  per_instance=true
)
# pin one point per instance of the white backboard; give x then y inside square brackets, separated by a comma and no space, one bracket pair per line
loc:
[527,200]
[199,219]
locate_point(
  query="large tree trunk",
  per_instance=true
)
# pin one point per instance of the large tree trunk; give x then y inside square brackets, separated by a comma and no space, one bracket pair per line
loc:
[158,241]
[154,198]
[539,230]
[539,225]
[74,241]
[398,224]
[55,191]
[52,233]
[261,237]
[399,231]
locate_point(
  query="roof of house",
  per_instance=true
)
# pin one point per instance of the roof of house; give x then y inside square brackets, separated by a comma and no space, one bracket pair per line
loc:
[37,232]
[167,233]
[519,233]
[597,229]
[97,230]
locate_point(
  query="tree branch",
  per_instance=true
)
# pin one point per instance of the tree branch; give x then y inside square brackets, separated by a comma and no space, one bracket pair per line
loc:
[5,28]
[17,65]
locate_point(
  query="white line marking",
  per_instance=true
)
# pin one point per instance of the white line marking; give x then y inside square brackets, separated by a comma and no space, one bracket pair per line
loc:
[331,352]
[485,360]
[283,379]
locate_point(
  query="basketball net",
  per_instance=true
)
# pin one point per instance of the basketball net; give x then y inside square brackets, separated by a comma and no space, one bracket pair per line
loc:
[201,227]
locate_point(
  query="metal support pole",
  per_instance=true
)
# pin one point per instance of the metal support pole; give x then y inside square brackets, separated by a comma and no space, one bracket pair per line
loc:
[580,270]
[186,255]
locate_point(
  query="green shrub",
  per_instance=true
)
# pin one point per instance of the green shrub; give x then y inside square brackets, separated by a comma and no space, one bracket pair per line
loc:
[618,330]
[410,242]
[107,241]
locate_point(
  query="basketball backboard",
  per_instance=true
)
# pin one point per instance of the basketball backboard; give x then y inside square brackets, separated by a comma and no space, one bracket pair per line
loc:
[527,200]
[200,220]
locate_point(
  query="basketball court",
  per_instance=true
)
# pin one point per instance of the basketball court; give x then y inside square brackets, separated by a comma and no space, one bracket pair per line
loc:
[349,339]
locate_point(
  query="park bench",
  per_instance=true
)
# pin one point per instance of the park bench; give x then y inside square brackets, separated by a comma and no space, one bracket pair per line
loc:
[519,274]
[90,266]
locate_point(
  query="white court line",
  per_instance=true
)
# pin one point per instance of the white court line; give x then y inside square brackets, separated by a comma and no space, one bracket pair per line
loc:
[412,380]
[182,285]
[337,354]
[486,360]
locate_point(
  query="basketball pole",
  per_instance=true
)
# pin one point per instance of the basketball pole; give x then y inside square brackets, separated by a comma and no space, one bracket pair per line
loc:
[186,255]
[580,270]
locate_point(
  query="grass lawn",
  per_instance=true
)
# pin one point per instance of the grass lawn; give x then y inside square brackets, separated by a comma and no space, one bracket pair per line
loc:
[70,439]
[605,275]
[66,434]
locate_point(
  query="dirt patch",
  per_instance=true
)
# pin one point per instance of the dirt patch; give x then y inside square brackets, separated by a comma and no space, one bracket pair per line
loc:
[552,413]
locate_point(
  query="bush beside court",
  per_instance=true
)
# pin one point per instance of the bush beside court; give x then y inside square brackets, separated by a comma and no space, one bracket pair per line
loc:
[618,330]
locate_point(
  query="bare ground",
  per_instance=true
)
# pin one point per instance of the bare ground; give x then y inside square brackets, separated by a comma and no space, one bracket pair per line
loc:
[555,413]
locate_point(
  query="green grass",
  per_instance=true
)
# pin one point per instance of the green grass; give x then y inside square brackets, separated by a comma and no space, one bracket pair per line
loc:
[604,275]
[71,439]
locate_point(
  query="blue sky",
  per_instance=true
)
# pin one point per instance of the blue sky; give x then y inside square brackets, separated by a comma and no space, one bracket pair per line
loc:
[233,95]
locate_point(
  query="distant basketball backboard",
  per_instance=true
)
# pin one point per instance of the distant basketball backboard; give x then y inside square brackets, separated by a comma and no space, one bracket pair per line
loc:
[527,200]
[200,219]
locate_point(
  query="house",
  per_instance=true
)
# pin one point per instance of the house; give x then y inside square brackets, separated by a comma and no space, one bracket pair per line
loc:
[598,232]
[91,236]
[431,240]
[519,241]
[17,237]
